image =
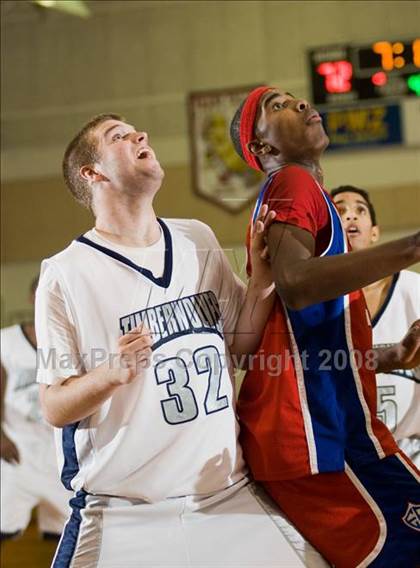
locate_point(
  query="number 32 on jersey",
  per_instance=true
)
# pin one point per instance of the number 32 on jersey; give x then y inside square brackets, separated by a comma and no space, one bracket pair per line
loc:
[181,405]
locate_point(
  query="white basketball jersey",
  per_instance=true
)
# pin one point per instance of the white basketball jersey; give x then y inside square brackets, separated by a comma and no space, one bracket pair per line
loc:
[18,357]
[173,430]
[398,393]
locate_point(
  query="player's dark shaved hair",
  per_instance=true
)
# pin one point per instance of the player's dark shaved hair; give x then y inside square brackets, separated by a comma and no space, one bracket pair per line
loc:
[363,193]
[83,151]
[235,129]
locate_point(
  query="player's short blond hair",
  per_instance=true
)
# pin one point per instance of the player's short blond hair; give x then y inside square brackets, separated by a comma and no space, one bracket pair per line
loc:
[83,151]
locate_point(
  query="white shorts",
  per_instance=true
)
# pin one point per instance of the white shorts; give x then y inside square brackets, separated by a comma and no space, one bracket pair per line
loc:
[230,530]
[33,482]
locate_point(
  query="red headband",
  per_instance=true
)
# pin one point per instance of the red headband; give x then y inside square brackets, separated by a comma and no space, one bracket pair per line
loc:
[246,126]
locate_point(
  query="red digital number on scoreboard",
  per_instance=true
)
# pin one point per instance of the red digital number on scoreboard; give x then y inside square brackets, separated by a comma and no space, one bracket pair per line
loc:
[337,75]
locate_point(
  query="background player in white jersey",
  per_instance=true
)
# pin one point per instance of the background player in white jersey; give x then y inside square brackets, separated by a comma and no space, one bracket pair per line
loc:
[135,321]
[394,304]
[29,475]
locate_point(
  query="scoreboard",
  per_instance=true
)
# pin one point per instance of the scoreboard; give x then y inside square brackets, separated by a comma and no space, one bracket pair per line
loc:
[351,73]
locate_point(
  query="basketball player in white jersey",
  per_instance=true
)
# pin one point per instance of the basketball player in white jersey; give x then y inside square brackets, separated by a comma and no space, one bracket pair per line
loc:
[29,476]
[136,320]
[394,304]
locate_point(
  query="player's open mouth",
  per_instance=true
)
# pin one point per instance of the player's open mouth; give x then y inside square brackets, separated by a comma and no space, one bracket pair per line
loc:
[352,230]
[143,154]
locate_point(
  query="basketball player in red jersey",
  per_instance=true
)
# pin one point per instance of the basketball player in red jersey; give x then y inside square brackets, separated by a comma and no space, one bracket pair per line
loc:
[310,432]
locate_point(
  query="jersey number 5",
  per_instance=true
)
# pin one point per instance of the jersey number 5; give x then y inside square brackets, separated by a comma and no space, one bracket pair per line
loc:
[181,405]
[387,407]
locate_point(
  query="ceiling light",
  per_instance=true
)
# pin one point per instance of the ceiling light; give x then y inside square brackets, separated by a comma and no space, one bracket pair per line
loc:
[72,7]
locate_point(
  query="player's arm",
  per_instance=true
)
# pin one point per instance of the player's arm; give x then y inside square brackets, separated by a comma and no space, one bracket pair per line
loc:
[75,398]
[302,279]
[260,294]
[8,450]
[403,355]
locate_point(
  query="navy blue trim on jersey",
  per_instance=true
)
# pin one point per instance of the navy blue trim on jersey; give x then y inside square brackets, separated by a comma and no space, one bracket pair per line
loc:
[406,374]
[387,299]
[71,463]
[68,542]
[163,281]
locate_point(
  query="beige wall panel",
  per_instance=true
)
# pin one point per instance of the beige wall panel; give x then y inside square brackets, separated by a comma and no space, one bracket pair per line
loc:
[226,42]
[16,278]
[369,168]
[38,219]
[398,208]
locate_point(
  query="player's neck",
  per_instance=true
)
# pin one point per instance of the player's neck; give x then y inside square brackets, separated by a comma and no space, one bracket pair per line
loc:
[135,225]
[376,294]
[311,165]
[314,168]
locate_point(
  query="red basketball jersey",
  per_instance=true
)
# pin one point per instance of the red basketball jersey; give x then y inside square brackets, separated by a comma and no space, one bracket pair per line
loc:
[309,402]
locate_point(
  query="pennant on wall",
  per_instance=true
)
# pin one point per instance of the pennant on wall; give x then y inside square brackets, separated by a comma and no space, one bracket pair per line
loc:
[218,173]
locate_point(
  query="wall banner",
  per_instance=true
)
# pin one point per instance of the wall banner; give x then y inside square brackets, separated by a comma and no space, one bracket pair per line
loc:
[218,173]
[363,126]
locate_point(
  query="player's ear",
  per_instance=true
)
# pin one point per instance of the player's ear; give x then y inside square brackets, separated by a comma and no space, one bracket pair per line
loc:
[90,174]
[375,234]
[259,148]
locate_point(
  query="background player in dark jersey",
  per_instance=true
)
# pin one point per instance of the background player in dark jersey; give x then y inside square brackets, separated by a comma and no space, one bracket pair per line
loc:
[311,434]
